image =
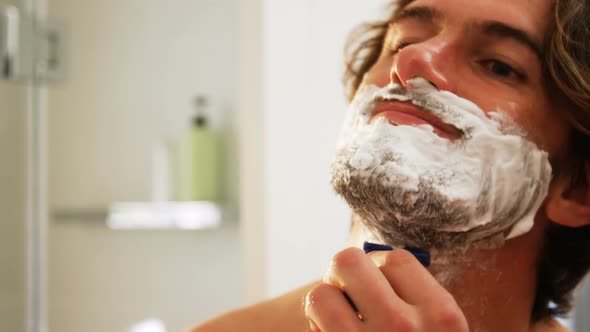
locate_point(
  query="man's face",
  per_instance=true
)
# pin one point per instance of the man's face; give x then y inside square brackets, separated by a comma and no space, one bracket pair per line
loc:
[481,171]
[486,51]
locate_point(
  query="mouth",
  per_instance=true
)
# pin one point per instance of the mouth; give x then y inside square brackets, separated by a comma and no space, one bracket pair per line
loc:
[400,113]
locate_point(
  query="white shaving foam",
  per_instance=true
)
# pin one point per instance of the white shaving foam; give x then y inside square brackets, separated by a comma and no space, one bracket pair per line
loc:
[493,173]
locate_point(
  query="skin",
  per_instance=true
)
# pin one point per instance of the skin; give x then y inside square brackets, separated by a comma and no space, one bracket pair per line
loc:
[392,291]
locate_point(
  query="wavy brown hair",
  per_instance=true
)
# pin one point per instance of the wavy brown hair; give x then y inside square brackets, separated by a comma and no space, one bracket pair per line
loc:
[565,257]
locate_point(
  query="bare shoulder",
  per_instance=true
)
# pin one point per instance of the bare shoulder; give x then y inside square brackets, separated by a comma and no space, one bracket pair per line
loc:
[284,313]
[550,326]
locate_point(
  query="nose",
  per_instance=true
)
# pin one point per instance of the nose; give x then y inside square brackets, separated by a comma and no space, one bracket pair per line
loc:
[431,62]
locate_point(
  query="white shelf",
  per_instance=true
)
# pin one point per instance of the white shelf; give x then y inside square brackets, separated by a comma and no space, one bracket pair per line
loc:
[150,215]
[164,215]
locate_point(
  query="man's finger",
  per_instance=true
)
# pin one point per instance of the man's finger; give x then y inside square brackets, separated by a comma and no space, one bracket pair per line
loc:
[326,306]
[409,278]
[354,272]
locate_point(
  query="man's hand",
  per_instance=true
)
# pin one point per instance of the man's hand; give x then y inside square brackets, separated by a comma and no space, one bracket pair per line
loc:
[392,291]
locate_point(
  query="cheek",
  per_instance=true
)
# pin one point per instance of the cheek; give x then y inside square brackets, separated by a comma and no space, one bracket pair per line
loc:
[550,131]
[545,124]
[379,74]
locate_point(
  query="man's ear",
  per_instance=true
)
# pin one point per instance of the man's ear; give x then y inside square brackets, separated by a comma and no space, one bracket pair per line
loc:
[569,204]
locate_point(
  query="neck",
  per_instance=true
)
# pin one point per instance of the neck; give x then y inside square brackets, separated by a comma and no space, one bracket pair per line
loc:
[494,288]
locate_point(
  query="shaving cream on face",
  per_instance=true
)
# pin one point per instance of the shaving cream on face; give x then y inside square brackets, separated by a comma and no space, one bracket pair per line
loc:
[413,188]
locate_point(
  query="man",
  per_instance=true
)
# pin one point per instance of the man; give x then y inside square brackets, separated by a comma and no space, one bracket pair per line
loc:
[517,72]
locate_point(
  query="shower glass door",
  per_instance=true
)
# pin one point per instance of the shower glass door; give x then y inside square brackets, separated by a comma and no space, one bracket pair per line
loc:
[18,290]
[13,229]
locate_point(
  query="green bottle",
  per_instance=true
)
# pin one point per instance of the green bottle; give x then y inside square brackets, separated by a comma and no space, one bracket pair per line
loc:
[200,171]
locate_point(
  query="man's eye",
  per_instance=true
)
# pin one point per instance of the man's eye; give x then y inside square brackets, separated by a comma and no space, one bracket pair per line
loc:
[502,70]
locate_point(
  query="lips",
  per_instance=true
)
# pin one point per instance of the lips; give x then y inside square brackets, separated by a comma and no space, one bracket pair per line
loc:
[405,113]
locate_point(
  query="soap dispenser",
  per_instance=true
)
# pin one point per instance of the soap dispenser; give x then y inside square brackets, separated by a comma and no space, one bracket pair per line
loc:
[200,173]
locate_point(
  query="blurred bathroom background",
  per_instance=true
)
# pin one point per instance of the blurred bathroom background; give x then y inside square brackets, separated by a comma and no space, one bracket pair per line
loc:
[97,99]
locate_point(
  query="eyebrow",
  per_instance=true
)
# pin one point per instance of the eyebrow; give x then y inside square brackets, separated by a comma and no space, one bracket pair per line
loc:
[419,12]
[499,29]
[492,28]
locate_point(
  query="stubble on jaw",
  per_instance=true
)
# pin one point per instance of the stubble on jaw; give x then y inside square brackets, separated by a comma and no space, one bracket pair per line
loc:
[390,213]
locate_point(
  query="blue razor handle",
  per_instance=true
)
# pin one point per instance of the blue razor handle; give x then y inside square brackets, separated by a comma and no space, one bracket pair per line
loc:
[423,256]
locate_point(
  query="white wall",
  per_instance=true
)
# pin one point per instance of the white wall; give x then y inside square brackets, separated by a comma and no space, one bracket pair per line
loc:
[133,69]
[304,106]
[251,150]
[101,280]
